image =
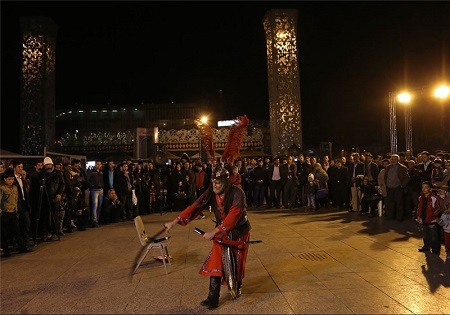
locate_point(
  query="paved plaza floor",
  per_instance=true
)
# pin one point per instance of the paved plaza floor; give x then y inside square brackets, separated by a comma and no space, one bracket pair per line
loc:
[324,262]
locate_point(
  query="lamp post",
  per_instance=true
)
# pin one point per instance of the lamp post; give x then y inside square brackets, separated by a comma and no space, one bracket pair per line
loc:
[203,120]
[392,122]
[442,92]
[405,98]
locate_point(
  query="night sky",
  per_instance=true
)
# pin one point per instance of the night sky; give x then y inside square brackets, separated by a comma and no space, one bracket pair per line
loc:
[351,55]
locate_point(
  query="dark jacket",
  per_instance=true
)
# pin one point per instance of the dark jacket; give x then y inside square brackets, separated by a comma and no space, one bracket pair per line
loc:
[339,177]
[425,175]
[402,174]
[54,183]
[303,169]
[360,169]
[259,175]
[24,203]
[374,171]
[288,171]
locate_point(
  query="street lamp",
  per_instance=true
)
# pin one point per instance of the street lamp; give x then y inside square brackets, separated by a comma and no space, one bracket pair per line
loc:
[442,92]
[405,98]
[204,121]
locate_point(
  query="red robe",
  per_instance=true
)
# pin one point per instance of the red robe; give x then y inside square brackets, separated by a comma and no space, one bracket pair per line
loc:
[213,263]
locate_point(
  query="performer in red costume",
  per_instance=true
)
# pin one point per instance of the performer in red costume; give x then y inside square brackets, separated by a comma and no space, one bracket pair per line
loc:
[231,234]
[229,205]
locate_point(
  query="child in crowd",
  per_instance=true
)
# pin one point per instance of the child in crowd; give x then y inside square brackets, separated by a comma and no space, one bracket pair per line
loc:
[9,196]
[428,211]
[445,223]
[311,190]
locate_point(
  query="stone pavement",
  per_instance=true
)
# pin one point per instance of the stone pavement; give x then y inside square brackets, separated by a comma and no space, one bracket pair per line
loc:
[321,262]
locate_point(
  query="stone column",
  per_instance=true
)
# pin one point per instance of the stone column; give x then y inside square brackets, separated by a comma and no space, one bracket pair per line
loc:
[37,97]
[284,81]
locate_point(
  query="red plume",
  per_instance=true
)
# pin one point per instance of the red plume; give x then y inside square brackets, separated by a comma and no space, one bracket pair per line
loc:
[207,137]
[234,141]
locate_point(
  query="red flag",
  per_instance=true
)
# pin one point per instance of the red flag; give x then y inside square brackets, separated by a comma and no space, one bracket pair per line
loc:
[234,141]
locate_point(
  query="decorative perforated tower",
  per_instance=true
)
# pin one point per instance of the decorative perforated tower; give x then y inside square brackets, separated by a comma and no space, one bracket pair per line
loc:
[37,97]
[284,81]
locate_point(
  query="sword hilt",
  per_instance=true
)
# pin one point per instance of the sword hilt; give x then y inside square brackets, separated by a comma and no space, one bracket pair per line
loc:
[198,231]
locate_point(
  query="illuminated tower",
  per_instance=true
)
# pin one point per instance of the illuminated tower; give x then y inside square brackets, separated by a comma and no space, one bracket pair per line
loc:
[284,80]
[37,97]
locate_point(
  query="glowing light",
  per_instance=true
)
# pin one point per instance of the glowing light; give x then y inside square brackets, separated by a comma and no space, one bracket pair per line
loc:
[282,35]
[404,97]
[442,92]
[204,119]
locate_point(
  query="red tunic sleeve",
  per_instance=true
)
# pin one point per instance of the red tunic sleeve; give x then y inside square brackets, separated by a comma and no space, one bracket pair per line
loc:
[189,214]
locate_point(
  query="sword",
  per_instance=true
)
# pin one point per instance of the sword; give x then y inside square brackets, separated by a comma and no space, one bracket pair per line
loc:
[238,244]
[147,239]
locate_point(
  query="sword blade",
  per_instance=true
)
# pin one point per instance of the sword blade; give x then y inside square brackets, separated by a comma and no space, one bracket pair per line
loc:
[152,238]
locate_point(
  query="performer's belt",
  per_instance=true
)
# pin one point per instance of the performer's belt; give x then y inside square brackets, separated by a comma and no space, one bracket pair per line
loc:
[241,222]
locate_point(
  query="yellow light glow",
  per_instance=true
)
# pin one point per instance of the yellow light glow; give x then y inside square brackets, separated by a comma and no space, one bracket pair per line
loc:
[282,35]
[204,119]
[442,92]
[404,97]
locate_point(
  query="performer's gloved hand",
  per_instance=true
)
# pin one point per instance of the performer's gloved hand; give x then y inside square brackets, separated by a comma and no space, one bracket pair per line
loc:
[210,235]
[170,224]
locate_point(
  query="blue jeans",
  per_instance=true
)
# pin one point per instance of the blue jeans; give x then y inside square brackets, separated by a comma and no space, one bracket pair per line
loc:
[258,195]
[96,204]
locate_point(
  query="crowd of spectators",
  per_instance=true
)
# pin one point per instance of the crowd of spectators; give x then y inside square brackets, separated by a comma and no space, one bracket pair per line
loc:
[55,198]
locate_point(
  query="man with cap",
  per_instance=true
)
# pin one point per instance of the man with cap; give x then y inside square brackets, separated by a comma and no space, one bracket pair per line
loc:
[228,203]
[53,188]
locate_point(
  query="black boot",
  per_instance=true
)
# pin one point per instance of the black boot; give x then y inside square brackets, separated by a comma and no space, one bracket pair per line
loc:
[212,301]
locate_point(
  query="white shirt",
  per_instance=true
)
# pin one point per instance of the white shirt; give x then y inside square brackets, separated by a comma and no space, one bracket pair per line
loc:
[19,179]
[276,173]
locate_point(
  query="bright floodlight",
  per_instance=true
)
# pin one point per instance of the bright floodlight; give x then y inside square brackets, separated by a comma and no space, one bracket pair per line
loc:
[442,92]
[404,97]
[204,119]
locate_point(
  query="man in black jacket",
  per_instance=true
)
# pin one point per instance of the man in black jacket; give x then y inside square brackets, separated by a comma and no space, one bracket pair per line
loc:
[340,181]
[53,188]
[425,167]
[23,203]
[274,176]
[259,178]
[303,169]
